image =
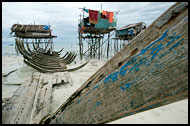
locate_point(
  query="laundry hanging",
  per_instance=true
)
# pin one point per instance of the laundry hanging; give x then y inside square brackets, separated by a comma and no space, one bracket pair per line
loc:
[86,10]
[93,16]
[110,17]
[105,14]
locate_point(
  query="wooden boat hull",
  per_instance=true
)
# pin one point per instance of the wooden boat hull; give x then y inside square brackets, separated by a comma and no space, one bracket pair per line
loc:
[44,62]
[149,72]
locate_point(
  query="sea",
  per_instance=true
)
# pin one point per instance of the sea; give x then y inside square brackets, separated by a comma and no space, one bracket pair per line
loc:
[8,49]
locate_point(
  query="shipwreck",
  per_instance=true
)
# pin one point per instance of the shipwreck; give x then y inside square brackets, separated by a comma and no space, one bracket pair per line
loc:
[41,55]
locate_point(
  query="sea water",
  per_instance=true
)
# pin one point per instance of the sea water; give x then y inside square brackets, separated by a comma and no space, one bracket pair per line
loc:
[12,61]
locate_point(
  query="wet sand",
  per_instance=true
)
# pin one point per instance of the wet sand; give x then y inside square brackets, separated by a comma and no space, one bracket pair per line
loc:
[175,113]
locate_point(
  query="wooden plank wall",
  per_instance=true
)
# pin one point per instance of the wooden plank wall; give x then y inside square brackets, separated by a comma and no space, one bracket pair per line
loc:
[149,72]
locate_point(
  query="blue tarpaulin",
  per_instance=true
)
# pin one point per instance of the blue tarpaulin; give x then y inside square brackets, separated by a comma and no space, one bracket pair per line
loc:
[46,27]
[131,32]
[121,32]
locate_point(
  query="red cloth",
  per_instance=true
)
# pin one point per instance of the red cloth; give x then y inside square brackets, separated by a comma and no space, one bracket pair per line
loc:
[110,17]
[104,12]
[93,16]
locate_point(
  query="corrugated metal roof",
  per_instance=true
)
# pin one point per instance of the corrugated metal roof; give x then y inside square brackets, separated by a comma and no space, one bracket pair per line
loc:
[130,26]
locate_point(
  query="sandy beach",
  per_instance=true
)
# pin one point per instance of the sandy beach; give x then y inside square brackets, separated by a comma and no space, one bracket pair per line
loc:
[175,113]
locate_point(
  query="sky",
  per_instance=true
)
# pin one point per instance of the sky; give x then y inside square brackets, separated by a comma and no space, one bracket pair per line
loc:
[63,16]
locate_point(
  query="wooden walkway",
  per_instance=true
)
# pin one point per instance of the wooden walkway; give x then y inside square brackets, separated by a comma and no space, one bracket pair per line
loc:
[32,100]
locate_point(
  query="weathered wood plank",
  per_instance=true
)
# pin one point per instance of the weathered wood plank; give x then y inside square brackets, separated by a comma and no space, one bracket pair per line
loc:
[62,78]
[149,72]
[31,102]
[17,109]
[42,102]
[36,107]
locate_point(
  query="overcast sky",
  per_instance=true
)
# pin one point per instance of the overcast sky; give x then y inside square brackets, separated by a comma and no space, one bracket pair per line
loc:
[63,16]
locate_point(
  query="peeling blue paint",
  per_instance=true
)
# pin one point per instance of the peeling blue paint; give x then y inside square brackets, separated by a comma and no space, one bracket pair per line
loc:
[164,35]
[135,63]
[96,86]
[78,101]
[144,60]
[136,66]
[155,50]
[112,76]
[173,37]
[98,103]
[177,44]
[161,56]
[125,87]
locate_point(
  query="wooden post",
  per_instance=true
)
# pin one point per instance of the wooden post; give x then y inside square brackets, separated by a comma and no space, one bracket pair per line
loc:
[91,46]
[102,45]
[99,46]
[108,45]
[80,39]
[80,45]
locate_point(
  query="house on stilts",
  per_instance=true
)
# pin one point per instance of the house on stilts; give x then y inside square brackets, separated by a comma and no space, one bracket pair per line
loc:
[93,27]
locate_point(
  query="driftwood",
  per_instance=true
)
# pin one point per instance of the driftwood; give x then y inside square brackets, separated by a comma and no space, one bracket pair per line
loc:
[5,83]
[31,102]
[17,109]
[149,72]
[5,75]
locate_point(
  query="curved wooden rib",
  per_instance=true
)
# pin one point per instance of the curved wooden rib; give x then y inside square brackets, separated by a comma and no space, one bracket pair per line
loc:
[72,59]
[46,63]
[54,70]
[64,55]
[28,48]
[60,50]
[37,62]
[69,58]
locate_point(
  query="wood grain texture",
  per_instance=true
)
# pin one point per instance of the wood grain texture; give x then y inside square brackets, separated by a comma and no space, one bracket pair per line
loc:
[149,72]
[31,102]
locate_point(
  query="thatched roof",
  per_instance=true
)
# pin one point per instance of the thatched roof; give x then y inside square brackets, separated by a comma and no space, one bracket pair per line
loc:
[131,25]
[30,28]
[32,31]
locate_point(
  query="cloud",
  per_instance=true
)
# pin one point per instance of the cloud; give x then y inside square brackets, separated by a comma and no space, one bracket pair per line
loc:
[63,16]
